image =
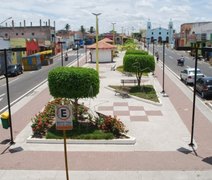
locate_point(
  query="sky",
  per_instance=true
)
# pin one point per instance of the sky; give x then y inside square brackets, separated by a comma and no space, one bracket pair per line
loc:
[128,15]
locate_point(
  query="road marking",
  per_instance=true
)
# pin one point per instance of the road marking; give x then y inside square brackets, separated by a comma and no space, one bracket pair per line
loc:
[2,95]
[10,82]
[18,99]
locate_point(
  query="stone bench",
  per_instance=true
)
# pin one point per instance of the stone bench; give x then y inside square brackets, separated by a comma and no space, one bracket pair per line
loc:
[129,81]
[123,94]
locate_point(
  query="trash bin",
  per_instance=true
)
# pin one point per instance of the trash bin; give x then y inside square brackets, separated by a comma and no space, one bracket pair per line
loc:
[5,120]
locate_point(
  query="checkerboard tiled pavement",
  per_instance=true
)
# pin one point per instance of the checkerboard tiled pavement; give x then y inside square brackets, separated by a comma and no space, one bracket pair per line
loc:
[126,110]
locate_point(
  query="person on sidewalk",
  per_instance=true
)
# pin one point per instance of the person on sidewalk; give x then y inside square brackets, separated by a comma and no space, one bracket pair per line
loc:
[157,56]
[66,57]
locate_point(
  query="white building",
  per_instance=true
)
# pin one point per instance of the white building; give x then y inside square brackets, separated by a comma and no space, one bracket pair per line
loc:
[105,52]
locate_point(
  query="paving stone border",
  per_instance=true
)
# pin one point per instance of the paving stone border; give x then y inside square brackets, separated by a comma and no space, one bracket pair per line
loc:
[127,141]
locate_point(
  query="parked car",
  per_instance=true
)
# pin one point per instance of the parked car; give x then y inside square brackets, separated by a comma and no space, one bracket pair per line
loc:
[204,86]
[187,75]
[75,47]
[14,70]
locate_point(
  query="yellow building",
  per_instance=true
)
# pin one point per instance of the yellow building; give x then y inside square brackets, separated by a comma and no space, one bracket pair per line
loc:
[18,43]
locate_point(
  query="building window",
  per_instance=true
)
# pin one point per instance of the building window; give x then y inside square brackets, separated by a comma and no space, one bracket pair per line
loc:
[159,33]
[16,34]
[22,34]
[167,33]
[152,33]
[6,34]
[33,34]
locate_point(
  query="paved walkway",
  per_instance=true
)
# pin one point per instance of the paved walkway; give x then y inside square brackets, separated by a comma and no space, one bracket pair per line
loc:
[162,133]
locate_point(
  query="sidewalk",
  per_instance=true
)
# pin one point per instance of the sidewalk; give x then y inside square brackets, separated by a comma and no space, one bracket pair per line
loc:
[162,133]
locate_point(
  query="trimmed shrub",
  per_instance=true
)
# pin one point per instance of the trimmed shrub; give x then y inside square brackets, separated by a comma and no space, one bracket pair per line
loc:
[73,82]
[134,63]
[136,52]
[139,64]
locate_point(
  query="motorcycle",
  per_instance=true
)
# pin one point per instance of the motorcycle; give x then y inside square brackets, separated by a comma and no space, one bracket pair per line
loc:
[180,62]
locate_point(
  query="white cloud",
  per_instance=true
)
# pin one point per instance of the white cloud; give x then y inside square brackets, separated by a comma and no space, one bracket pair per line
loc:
[126,13]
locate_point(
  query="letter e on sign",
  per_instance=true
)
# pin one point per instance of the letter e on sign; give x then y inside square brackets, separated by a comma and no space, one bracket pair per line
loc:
[63,114]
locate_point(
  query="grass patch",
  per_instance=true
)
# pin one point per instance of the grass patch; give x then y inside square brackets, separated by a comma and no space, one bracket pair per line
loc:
[146,91]
[79,132]
[121,70]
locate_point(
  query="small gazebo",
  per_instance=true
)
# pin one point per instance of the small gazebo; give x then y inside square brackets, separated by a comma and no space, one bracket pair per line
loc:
[107,40]
[105,51]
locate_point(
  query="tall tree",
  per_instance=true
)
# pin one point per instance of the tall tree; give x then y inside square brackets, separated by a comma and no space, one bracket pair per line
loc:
[67,27]
[139,64]
[80,83]
[82,30]
[92,30]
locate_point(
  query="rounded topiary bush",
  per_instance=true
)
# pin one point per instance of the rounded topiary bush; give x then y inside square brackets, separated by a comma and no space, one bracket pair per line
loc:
[136,52]
[73,82]
[142,63]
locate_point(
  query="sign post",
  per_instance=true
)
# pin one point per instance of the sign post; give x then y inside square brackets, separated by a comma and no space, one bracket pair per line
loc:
[64,122]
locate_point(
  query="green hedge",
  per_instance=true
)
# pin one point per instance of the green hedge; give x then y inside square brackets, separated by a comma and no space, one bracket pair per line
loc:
[73,82]
[136,52]
[143,63]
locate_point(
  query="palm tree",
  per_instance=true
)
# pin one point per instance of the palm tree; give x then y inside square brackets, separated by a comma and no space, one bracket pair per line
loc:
[67,27]
[92,30]
[82,29]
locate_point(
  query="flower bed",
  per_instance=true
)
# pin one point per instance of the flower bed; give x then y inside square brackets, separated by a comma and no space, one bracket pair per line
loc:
[85,127]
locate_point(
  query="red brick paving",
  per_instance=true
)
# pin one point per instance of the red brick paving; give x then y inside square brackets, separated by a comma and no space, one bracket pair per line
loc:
[136,108]
[135,160]
[139,118]
[153,113]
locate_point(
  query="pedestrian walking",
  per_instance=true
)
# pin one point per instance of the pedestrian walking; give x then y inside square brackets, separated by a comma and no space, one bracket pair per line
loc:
[66,57]
[157,56]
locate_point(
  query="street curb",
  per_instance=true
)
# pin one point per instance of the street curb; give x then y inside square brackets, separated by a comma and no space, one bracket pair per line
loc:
[128,141]
[140,99]
[2,77]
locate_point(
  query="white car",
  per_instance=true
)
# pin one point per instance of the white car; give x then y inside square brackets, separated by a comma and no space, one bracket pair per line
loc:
[187,75]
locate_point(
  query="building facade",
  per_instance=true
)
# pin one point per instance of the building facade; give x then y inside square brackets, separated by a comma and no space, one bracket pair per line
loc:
[160,34]
[195,34]
[43,35]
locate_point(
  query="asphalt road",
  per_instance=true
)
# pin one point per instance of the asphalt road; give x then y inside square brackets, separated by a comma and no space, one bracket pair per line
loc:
[171,57]
[21,85]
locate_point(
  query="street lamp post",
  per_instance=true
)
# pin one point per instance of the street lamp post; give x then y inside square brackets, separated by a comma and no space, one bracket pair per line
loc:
[7,85]
[122,34]
[153,50]
[97,47]
[148,45]
[163,90]
[61,47]
[86,56]
[8,97]
[77,54]
[5,20]
[113,36]
[194,97]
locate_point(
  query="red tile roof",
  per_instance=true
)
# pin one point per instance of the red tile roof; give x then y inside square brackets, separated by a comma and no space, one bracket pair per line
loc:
[101,45]
[107,40]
